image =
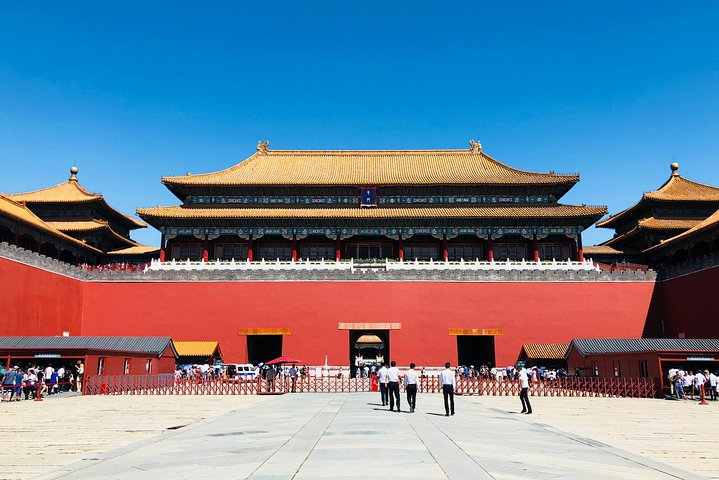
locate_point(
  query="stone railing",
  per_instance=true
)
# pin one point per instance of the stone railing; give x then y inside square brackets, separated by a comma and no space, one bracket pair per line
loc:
[344,271]
[387,265]
[688,267]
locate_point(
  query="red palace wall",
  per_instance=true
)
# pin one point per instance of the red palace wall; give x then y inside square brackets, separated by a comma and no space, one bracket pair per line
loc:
[37,302]
[525,312]
[692,304]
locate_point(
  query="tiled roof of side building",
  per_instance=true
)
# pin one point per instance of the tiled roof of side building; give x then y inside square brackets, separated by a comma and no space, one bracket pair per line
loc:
[712,222]
[591,346]
[533,211]
[370,167]
[71,192]
[196,348]
[654,224]
[20,212]
[545,350]
[91,226]
[154,345]
[676,189]
[601,250]
[136,250]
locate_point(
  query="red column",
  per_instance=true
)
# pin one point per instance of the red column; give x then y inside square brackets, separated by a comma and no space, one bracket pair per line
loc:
[535,248]
[490,246]
[338,247]
[250,247]
[445,253]
[401,248]
[206,249]
[162,248]
[580,251]
[294,248]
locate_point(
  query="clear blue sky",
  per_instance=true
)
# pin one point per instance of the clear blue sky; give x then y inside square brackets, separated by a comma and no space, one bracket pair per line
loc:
[131,91]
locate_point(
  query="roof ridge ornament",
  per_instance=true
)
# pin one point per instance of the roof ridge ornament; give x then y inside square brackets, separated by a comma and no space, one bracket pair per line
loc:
[476,147]
[675,169]
[73,174]
[262,147]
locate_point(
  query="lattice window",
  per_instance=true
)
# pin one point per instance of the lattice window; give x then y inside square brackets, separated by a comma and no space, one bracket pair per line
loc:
[229,251]
[273,252]
[183,251]
[421,251]
[466,251]
[554,251]
[317,251]
[510,251]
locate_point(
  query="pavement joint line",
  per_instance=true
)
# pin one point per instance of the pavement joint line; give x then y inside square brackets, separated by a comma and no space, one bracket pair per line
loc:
[457,449]
[79,466]
[427,448]
[314,417]
[660,467]
[304,460]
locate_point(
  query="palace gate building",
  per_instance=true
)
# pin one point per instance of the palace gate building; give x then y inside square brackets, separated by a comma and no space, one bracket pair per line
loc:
[414,256]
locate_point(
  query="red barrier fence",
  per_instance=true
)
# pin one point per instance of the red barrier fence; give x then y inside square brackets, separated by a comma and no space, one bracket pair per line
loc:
[168,385]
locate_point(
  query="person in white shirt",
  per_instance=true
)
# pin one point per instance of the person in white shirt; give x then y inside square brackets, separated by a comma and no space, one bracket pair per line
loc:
[449,383]
[523,377]
[382,377]
[712,386]
[699,380]
[393,385]
[410,385]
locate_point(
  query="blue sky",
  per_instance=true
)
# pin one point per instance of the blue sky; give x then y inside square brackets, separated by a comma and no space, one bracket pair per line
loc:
[134,90]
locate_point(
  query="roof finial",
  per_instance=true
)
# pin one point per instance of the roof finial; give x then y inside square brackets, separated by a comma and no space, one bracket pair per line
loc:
[73,174]
[476,146]
[262,147]
[675,169]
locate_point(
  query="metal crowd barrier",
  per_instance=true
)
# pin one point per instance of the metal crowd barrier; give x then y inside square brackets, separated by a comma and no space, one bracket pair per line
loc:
[169,385]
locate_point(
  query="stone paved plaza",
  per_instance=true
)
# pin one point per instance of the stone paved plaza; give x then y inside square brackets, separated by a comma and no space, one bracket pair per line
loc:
[352,436]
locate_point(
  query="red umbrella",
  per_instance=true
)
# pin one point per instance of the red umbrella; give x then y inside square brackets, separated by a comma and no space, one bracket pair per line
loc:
[283,359]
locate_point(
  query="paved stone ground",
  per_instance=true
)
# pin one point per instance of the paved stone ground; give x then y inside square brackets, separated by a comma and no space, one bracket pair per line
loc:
[350,436]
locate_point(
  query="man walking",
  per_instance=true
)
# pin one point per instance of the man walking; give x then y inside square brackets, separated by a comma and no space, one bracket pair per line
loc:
[410,384]
[293,377]
[382,377]
[524,393]
[449,383]
[393,385]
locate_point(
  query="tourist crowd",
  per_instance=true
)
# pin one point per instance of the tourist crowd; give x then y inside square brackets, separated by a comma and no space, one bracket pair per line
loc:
[32,381]
[685,384]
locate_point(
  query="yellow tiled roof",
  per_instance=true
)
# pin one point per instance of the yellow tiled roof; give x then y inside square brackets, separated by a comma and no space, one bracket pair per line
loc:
[555,351]
[711,222]
[652,223]
[533,211]
[677,188]
[21,213]
[135,250]
[601,250]
[90,226]
[79,226]
[195,349]
[370,167]
[68,192]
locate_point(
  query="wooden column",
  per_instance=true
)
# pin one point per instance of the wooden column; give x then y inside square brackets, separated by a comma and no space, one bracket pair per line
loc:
[580,251]
[535,248]
[338,248]
[17,238]
[490,246]
[400,248]
[162,248]
[206,249]
[250,247]
[294,247]
[445,253]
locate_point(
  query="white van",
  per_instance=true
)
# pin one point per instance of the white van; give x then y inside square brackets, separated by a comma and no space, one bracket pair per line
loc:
[242,371]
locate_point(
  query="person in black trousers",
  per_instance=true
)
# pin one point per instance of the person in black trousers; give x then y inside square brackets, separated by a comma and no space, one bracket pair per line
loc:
[393,385]
[410,385]
[524,393]
[449,383]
